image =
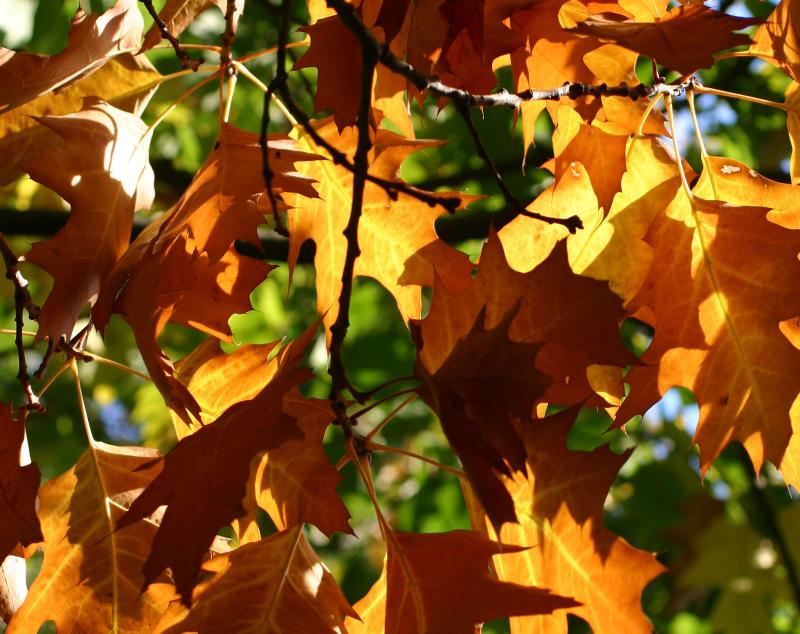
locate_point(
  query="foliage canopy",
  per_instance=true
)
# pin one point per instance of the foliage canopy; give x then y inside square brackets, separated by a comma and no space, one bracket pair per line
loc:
[537,227]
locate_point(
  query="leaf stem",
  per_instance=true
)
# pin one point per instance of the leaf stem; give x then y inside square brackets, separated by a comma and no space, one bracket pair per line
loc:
[115,364]
[735,95]
[410,454]
[181,98]
[676,150]
[364,410]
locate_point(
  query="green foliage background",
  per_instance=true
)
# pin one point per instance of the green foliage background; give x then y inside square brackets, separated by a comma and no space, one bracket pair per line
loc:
[720,535]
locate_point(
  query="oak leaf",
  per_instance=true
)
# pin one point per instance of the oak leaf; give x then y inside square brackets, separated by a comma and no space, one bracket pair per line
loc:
[778,39]
[280,584]
[209,470]
[399,245]
[221,204]
[102,169]
[440,582]
[126,82]
[551,56]
[218,380]
[91,579]
[178,14]
[684,39]
[181,285]
[559,501]
[741,360]
[19,484]
[565,332]
[93,40]
[293,483]
[610,248]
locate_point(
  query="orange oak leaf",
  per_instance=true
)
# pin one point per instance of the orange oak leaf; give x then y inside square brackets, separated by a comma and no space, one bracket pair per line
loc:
[551,56]
[336,53]
[398,242]
[126,82]
[209,470]
[778,39]
[218,380]
[559,500]
[486,382]
[181,286]
[102,169]
[19,484]
[739,357]
[93,40]
[566,321]
[440,582]
[609,248]
[684,39]
[221,204]
[293,483]
[178,14]
[599,147]
[91,579]
[184,268]
[280,584]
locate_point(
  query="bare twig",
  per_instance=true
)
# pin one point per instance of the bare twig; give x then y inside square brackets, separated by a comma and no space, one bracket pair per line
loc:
[228,36]
[22,302]
[339,380]
[573,223]
[279,80]
[186,60]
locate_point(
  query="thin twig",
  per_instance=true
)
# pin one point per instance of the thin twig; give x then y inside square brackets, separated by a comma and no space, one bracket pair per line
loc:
[410,454]
[336,370]
[183,56]
[228,36]
[280,79]
[573,223]
[22,303]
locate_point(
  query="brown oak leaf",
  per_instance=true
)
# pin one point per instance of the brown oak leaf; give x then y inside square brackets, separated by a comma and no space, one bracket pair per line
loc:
[203,480]
[19,484]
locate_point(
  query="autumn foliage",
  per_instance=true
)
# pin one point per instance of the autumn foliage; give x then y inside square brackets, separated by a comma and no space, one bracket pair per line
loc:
[508,348]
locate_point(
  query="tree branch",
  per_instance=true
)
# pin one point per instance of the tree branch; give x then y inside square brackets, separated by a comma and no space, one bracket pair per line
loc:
[458,96]
[339,380]
[22,302]
[183,56]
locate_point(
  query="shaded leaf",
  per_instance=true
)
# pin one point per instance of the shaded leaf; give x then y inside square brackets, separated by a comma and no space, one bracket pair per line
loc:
[280,584]
[93,40]
[102,169]
[440,582]
[559,501]
[91,578]
[295,482]
[568,322]
[19,483]
[778,40]
[178,14]
[684,39]
[209,470]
